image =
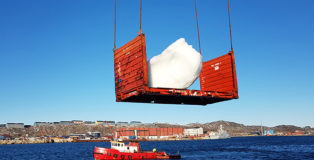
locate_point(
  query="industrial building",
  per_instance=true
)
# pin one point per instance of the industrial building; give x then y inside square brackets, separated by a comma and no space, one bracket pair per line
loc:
[15,125]
[135,122]
[149,133]
[94,134]
[89,122]
[78,136]
[193,131]
[122,124]
[66,123]
[77,122]
[38,124]
[98,122]
[27,126]
[112,123]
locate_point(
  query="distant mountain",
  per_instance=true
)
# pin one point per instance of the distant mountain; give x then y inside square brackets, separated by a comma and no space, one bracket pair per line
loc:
[286,128]
[237,129]
[233,129]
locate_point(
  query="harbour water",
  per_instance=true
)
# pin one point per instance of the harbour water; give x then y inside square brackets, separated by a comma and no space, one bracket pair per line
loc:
[298,147]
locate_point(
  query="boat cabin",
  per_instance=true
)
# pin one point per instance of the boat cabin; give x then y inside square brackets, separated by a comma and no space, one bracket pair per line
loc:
[132,147]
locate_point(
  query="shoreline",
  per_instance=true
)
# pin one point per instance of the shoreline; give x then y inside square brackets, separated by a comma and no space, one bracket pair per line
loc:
[10,142]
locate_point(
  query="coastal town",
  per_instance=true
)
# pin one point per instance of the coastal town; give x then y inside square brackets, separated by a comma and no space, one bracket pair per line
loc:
[102,131]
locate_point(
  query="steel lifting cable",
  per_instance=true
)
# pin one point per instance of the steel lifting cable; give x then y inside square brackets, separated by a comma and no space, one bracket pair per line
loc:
[140,31]
[230,26]
[115,24]
[198,31]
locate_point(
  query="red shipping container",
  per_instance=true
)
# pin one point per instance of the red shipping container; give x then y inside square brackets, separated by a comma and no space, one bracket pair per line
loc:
[163,131]
[170,131]
[152,132]
[132,131]
[219,75]
[218,79]
[130,67]
[166,132]
[119,132]
[180,131]
[146,131]
[139,132]
[158,131]
[175,131]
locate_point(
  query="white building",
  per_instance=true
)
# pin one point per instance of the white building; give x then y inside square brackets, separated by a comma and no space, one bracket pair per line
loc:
[193,131]
[77,122]
[38,124]
[15,125]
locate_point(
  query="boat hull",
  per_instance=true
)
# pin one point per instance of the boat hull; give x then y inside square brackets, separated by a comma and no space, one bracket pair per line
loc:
[107,153]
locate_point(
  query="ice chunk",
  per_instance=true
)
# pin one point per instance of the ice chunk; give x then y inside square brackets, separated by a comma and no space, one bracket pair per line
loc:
[178,66]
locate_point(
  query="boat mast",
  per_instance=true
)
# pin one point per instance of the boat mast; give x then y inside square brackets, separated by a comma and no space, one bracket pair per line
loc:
[262,129]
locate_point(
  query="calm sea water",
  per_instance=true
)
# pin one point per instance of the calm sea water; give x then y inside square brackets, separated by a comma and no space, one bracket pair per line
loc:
[233,148]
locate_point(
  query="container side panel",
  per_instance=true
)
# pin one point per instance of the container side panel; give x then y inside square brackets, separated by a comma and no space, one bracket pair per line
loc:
[170,131]
[158,131]
[130,67]
[218,75]
[180,131]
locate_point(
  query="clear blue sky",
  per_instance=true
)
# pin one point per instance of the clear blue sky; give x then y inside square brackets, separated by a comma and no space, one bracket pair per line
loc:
[56,59]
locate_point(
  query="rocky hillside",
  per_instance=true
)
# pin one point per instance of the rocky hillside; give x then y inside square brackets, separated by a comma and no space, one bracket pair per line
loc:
[236,129]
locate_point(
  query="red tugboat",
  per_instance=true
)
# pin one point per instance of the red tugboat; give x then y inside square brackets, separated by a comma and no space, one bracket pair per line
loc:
[119,150]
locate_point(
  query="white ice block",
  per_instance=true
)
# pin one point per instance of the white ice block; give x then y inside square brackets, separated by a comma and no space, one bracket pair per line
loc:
[178,66]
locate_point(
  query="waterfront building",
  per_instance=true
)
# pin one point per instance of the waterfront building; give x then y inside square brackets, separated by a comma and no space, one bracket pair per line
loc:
[89,122]
[94,134]
[2,125]
[149,124]
[39,124]
[66,123]
[27,126]
[193,131]
[122,123]
[77,122]
[111,123]
[100,122]
[15,125]
[135,122]
[149,133]
[78,136]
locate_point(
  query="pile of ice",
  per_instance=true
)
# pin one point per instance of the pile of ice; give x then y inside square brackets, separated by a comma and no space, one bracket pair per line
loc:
[178,66]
